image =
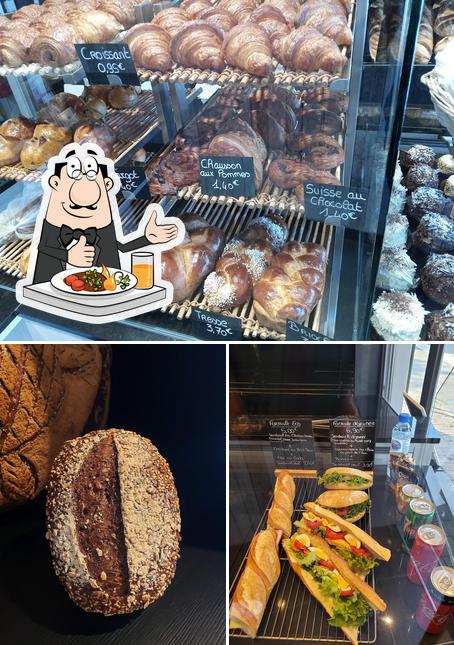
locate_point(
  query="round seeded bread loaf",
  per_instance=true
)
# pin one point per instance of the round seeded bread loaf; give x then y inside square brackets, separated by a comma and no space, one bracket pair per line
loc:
[113,521]
[48,394]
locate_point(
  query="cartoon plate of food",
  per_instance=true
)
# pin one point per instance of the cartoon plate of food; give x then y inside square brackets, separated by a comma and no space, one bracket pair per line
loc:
[96,281]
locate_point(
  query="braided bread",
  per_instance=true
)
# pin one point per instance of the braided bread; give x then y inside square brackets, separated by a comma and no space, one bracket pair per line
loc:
[244,261]
[292,286]
[187,264]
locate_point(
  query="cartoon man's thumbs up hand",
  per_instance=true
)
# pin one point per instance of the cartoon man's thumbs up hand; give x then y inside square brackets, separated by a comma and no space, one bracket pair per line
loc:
[159,233]
[81,254]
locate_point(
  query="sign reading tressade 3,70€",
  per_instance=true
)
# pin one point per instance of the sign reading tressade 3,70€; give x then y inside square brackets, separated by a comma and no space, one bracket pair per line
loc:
[337,205]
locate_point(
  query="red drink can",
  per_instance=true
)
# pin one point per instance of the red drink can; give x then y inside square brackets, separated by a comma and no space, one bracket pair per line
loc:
[429,543]
[437,601]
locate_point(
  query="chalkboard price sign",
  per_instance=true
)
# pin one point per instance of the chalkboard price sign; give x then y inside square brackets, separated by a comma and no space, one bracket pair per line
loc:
[108,64]
[292,442]
[134,184]
[210,326]
[353,442]
[295,331]
[337,205]
[229,176]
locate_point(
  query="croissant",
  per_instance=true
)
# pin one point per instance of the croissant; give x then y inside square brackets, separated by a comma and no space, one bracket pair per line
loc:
[194,7]
[198,44]
[56,49]
[328,23]
[12,52]
[150,47]
[218,17]
[122,10]
[104,23]
[186,265]
[257,580]
[239,9]
[248,47]
[292,286]
[288,8]
[306,49]
[171,19]
[271,20]
[281,511]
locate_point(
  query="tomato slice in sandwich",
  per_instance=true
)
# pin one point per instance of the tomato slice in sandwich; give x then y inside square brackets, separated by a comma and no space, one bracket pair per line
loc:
[346,592]
[313,525]
[327,564]
[334,535]
[361,551]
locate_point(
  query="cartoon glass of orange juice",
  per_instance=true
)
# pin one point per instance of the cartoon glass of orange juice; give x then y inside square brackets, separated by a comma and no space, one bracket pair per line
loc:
[142,268]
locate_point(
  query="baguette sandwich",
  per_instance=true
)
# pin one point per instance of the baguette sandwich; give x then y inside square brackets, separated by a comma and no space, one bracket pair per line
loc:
[359,550]
[343,594]
[351,505]
[340,478]
[260,574]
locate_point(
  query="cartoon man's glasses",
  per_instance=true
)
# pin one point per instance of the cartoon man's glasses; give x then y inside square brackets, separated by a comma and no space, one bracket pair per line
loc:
[76,170]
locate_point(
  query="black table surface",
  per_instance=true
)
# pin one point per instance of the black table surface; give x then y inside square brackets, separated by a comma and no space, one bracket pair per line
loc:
[35,609]
[251,485]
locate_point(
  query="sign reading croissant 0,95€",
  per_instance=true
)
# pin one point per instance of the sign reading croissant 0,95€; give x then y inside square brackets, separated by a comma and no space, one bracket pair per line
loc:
[229,176]
[336,205]
[108,64]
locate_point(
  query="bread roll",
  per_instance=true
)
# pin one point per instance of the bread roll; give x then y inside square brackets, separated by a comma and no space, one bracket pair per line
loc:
[113,521]
[49,393]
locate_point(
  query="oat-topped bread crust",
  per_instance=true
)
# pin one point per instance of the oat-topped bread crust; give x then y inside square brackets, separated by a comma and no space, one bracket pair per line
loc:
[113,521]
[48,394]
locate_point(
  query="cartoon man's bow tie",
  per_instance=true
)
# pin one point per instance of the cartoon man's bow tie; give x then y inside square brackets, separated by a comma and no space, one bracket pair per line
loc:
[67,234]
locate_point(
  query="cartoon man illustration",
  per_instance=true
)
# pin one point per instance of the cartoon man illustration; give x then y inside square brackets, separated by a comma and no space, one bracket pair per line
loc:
[78,228]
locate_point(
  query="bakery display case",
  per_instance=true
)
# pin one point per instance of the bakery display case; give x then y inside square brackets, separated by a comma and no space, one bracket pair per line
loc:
[269,128]
[413,298]
[286,448]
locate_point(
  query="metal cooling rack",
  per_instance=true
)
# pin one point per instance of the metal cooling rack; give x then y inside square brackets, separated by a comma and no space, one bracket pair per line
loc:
[292,613]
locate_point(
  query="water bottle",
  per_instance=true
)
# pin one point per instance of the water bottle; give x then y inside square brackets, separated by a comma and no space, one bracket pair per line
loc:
[401,437]
[401,434]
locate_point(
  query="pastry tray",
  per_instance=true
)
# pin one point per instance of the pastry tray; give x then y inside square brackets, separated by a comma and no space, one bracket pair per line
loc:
[292,613]
[132,125]
[232,219]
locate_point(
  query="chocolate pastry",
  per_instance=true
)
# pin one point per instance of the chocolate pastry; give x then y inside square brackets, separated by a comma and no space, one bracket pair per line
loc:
[421,175]
[322,121]
[435,233]
[325,99]
[426,200]
[437,278]
[320,150]
[418,155]
[289,173]
[49,394]
[175,170]
[271,94]
[440,324]
[113,521]
[272,133]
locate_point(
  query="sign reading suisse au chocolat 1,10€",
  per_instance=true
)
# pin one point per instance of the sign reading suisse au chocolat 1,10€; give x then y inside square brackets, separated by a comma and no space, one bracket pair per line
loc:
[337,205]
[108,64]
[229,176]
[353,442]
[292,442]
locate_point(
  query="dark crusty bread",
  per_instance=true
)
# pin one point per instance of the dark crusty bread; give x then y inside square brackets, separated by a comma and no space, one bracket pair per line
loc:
[113,521]
[48,394]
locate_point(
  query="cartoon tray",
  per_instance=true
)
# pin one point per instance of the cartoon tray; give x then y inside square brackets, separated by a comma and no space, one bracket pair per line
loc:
[95,310]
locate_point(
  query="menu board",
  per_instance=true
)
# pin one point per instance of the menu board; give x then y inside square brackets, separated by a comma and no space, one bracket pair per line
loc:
[292,442]
[353,442]
[108,64]
[336,205]
[229,176]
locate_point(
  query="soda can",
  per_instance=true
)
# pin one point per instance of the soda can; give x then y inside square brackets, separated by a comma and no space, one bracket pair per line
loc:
[427,548]
[406,494]
[420,511]
[437,601]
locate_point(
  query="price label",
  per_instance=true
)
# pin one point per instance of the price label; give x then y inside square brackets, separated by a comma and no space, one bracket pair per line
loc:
[211,326]
[108,64]
[292,442]
[337,205]
[353,442]
[229,176]
[295,331]
[134,184]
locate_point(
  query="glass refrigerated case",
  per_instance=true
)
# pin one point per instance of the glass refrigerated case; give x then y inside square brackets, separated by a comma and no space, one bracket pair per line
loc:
[298,108]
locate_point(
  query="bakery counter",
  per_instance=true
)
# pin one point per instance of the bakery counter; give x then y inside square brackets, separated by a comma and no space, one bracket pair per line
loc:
[293,615]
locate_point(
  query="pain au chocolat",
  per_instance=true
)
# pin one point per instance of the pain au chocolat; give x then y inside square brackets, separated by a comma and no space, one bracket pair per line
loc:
[48,394]
[113,521]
